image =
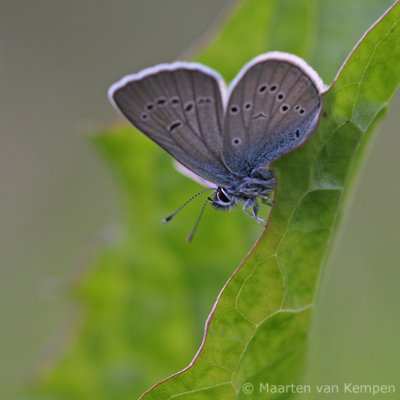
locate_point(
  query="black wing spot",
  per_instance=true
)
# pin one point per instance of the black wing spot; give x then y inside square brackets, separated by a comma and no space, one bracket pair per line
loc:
[297,133]
[296,108]
[247,106]
[262,88]
[236,141]
[174,125]
[260,115]
[234,109]
[161,101]
[189,106]
[285,108]
[302,111]
[204,100]
[174,101]
[280,96]
[149,106]
[144,117]
[273,88]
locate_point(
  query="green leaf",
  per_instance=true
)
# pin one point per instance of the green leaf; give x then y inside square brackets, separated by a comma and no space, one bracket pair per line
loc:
[147,296]
[259,329]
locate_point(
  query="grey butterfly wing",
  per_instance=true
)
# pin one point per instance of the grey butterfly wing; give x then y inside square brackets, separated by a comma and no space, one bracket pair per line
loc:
[178,106]
[273,107]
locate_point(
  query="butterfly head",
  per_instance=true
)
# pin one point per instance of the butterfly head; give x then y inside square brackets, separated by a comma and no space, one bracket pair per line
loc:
[222,200]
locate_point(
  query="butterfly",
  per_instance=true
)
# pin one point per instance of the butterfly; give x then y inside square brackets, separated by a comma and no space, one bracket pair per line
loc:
[225,137]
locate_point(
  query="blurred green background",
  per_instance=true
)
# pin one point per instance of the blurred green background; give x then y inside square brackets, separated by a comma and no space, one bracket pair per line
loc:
[60,204]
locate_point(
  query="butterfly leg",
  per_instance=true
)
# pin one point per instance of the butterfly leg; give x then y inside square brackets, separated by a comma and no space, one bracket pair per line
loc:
[266,200]
[252,203]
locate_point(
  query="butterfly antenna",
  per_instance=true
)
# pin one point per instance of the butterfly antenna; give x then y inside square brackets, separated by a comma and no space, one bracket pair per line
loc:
[165,220]
[191,234]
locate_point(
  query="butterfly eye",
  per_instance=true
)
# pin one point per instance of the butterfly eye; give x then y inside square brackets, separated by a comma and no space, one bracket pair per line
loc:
[222,196]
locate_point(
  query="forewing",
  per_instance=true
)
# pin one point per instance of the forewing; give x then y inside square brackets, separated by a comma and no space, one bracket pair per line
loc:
[180,107]
[273,107]
[188,173]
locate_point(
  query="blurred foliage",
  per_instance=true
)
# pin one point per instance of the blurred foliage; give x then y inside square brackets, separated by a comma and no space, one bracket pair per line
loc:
[147,295]
[260,327]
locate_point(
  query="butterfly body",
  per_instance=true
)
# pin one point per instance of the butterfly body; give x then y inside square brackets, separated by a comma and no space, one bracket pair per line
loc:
[225,137]
[259,183]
